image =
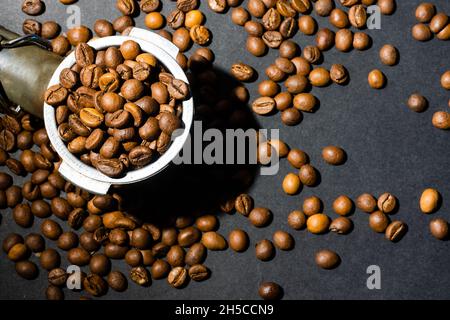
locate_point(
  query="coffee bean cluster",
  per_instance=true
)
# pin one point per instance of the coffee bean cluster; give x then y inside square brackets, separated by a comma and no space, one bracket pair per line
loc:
[117,108]
[430,22]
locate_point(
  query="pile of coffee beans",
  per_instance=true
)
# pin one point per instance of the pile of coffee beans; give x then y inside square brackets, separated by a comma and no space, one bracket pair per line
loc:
[117,108]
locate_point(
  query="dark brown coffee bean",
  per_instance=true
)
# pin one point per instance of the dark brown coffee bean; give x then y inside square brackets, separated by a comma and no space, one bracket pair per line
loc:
[57,277]
[55,95]
[387,202]
[439,228]
[244,204]
[196,254]
[68,240]
[378,221]
[160,269]
[242,72]
[198,272]
[116,280]
[7,140]
[27,269]
[35,242]
[308,175]
[95,285]
[260,217]
[13,196]
[51,229]
[291,117]
[30,191]
[49,259]
[297,220]
[417,102]
[140,276]
[22,215]
[40,208]
[177,277]
[140,156]
[333,155]
[78,256]
[270,291]
[10,240]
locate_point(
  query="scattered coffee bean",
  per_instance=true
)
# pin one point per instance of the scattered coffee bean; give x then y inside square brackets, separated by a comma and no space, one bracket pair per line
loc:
[327,259]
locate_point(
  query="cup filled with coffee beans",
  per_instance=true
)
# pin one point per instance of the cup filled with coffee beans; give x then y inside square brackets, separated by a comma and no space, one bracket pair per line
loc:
[118,110]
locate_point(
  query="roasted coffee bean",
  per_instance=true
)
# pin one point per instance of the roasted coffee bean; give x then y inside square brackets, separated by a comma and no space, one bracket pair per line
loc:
[54,293]
[22,215]
[338,74]
[263,105]
[343,205]
[291,184]
[214,241]
[264,250]
[441,120]
[417,102]
[68,240]
[318,223]
[188,236]
[361,41]
[40,208]
[31,26]
[116,280]
[140,276]
[169,122]
[55,95]
[270,291]
[30,191]
[421,32]
[272,39]
[341,225]
[113,168]
[88,243]
[100,264]
[95,285]
[175,257]
[439,23]
[27,269]
[242,72]
[177,277]
[387,203]
[18,252]
[395,231]
[429,200]
[244,204]
[439,228]
[297,220]
[84,55]
[388,55]
[60,45]
[343,40]
[13,196]
[312,205]
[196,254]
[35,242]
[198,272]
[378,221]
[10,240]
[333,155]
[78,256]
[366,202]
[49,259]
[327,259]
[260,217]
[33,7]
[283,240]
[57,277]
[51,229]
[178,89]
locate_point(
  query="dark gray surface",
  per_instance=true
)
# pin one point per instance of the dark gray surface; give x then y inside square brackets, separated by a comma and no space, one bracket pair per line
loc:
[389,148]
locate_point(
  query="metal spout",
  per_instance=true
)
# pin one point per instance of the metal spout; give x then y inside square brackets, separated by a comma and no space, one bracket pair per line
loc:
[25,72]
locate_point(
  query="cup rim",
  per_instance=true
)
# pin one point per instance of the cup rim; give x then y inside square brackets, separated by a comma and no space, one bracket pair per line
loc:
[135,175]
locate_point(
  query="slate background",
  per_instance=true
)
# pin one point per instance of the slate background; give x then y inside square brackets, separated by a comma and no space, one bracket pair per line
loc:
[389,148]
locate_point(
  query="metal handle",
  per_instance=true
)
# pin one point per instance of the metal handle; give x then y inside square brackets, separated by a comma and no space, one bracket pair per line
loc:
[29,39]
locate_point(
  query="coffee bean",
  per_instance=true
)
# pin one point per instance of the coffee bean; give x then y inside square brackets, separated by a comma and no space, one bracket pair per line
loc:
[244,204]
[318,223]
[263,105]
[376,79]
[319,77]
[327,259]
[196,254]
[6,181]
[297,220]
[260,217]
[35,242]
[214,241]
[417,102]
[113,168]
[242,72]
[440,120]
[270,291]
[51,229]
[54,293]
[366,202]
[264,250]
[13,196]
[361,41]
[100,264]
[79,256]
[439,228]
[207,223]
[425,11]
[178,89]
[22,215]
[312,205]
[27,269]
[308,175]
[18,252]
[421,32]
[116,280]
[68,240]
[33,7]
[388,55]
[10,241]
[438,22]
[160,269]
[57,277]
[387,203]
[291,117]
[341,225]
[291,184]
[177,277]
[395,231]
[238,240]
[378,221]
[429,200]
[283,240]
[31,26]
[95,285]
[50,259]
[127,7]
